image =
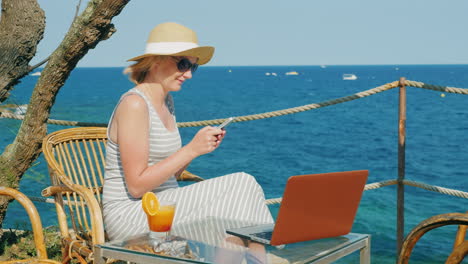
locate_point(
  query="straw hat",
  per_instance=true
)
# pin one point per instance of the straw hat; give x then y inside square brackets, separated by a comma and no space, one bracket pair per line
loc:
[175,40]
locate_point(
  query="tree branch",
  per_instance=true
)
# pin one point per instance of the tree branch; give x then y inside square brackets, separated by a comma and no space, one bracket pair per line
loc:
[22,26]
[77,9]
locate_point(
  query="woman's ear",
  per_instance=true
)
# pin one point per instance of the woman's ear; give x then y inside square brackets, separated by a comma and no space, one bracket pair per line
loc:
[154,66]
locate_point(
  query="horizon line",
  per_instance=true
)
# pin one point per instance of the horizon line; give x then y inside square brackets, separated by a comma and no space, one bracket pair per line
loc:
[303,65]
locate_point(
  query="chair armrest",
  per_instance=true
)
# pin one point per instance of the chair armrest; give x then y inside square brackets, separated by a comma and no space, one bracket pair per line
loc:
[188,176]
[91,202]
[53,190]
[425,226]
[34,218]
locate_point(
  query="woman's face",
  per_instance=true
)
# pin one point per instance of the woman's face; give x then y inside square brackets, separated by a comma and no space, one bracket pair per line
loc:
[169,76]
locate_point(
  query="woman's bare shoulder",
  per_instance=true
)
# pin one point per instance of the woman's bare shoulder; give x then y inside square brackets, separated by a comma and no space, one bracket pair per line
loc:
[133,102]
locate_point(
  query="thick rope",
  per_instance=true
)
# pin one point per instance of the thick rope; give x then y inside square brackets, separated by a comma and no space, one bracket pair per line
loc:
[273,201]
[438,189]
[446,89]
[54,121]
[376,185]
[369,186]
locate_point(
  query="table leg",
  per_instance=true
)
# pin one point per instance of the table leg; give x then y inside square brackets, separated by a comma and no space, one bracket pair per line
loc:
[365,252]
[98,259]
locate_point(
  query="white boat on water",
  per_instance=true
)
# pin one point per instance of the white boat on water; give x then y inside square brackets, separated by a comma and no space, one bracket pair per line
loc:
[349,76]
[36,74]
[292,73]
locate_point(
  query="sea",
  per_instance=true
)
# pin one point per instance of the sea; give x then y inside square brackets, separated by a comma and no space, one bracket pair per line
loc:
[355,135]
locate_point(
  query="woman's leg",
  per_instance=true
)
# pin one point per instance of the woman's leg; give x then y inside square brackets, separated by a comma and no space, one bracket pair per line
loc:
[236,196]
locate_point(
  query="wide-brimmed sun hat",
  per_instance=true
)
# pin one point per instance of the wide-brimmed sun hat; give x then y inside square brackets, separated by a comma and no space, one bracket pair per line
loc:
[175,40]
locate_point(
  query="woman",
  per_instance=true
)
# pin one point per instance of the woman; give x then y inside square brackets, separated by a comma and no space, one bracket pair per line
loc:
[144,151]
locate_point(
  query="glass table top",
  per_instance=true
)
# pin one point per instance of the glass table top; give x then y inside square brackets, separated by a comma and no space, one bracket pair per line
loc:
[205,241]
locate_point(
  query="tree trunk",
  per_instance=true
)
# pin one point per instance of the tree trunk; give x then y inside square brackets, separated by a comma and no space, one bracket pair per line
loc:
[92,26]
[21,28]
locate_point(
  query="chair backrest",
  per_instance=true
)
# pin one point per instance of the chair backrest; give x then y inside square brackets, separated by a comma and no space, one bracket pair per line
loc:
[76,159]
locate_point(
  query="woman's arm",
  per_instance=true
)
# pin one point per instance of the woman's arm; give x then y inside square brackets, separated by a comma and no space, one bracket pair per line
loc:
[179,172]
[132,120]
[219,139]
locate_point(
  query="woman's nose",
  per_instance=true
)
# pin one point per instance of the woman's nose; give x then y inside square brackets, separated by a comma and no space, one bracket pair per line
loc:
[188,74]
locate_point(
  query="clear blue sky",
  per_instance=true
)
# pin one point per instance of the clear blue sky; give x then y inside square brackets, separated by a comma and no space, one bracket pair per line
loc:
[287,32]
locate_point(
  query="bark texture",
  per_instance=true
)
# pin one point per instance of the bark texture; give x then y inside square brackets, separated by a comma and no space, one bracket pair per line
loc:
[21,28]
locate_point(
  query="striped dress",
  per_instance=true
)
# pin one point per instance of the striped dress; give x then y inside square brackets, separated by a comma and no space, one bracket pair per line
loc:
[234,196]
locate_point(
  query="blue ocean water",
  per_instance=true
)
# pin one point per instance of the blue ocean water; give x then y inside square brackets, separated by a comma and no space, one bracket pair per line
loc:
[360,134]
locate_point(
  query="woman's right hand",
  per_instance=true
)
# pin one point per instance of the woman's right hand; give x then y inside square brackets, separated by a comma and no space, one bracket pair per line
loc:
[205,141]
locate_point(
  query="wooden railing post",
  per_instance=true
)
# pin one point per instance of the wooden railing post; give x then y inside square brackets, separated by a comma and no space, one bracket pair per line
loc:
[401,164]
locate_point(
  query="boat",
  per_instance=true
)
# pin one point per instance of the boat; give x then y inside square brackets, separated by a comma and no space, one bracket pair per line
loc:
[36,74]
[349,76]
[292,73]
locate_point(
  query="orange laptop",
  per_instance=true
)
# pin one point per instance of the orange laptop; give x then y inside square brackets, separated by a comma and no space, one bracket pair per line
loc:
[314,206]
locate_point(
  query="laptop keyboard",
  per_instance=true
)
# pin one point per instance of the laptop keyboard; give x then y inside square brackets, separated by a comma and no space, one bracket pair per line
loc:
[265,235]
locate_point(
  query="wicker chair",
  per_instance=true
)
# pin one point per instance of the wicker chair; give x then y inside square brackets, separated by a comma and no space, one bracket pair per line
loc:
[41,253]
[76,160]
[460,247]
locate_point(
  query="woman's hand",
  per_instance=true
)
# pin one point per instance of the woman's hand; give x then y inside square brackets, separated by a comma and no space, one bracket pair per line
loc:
[206,140]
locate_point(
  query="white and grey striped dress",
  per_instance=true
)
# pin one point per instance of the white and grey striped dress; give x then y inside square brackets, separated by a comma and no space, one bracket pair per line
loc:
[234,196]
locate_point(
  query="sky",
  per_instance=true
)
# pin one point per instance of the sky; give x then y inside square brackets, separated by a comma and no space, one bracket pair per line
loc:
[287,32]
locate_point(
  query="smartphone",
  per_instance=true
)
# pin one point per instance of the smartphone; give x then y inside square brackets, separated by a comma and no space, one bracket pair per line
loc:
[226,122]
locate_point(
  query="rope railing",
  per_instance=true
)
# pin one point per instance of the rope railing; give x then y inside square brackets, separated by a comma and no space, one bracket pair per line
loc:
[376,185]
[439,88]
[54,121]
[438,189]
[288,111]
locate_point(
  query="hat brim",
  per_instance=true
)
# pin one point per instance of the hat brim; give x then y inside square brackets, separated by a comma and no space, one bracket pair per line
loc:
[204,54]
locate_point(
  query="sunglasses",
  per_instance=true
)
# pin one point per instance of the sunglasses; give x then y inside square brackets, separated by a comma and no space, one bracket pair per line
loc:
[184,65]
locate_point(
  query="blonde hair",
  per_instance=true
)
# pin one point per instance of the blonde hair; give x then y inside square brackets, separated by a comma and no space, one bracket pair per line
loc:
[138,71]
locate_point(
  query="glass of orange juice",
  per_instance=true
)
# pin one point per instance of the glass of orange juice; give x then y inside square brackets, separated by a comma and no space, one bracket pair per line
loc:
[160,223]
